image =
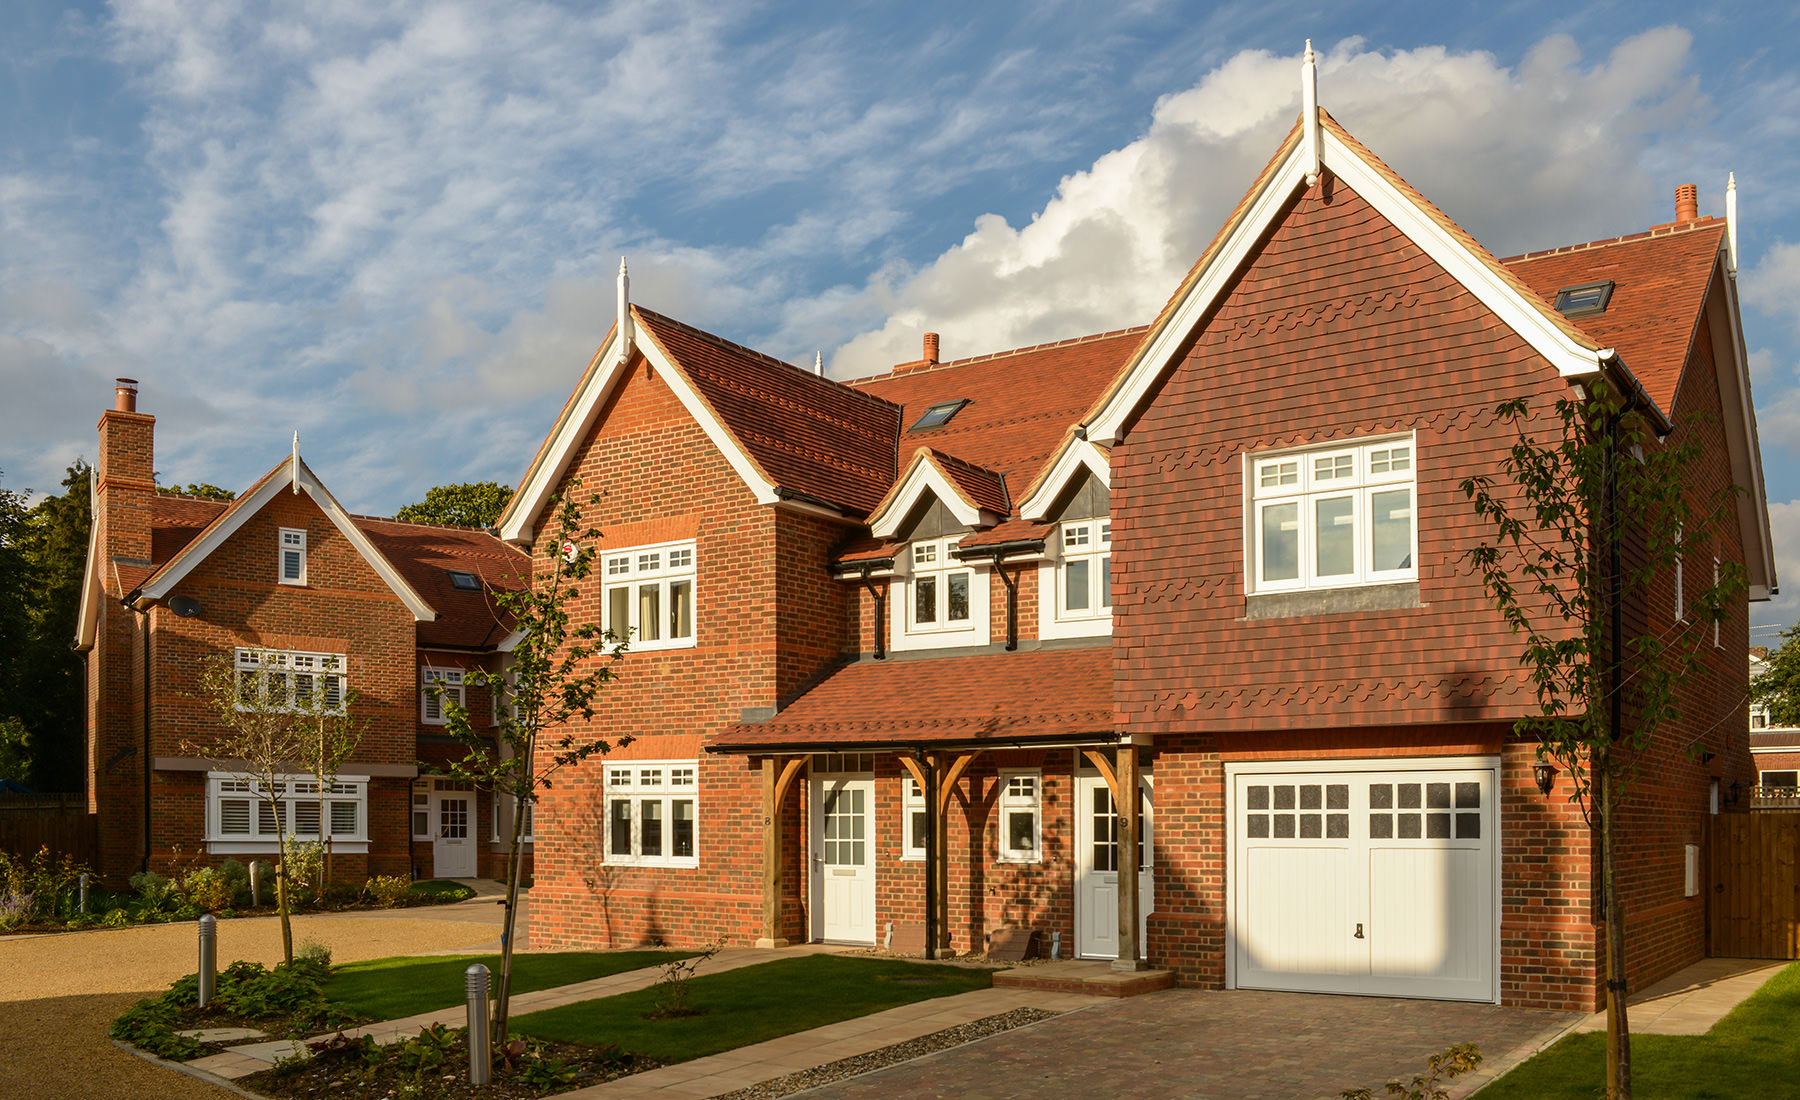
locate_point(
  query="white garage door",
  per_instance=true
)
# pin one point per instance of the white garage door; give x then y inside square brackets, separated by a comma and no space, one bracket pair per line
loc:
[1376,880]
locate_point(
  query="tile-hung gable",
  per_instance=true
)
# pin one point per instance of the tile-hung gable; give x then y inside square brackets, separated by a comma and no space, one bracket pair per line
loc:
[1156,640]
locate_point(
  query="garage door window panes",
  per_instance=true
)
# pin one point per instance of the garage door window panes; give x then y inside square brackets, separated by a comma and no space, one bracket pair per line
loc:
[1297,811]
[1429,811]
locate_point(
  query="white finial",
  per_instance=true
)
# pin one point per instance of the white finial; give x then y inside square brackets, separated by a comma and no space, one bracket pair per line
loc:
[626,336]
[1309,113]
[294,466]
[819,363]
[1731,223]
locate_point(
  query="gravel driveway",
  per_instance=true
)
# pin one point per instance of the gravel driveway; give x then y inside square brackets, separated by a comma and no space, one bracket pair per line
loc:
[58,993]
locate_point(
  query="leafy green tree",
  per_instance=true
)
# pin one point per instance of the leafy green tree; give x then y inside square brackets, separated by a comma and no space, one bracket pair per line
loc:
[1778,688]
[1584,525]
[204,489]
[470,504]
[545,699]
[43,551]
[15,751]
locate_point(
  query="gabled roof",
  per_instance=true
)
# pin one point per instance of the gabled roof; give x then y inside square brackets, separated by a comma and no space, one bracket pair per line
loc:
[975,496]
[426,554]
[987,699]
[291,475]
[791,435]
[1571,351]
[1654,313]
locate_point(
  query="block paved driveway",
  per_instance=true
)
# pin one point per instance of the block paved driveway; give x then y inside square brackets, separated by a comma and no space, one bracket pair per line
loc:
[1229,1045]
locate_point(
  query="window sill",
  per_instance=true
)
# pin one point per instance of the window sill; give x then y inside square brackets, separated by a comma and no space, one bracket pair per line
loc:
[660,647]
[1333,601]
[271,847]
[676,864]
[1018,861]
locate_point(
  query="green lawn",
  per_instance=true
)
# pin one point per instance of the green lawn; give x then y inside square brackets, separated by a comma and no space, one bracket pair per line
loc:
[1752,1052]
[388,989]
[753,1003]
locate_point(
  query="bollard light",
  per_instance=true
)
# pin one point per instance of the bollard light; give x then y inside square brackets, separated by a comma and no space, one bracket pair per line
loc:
[479,1058]
[256,884]
[84,888]
[209,955]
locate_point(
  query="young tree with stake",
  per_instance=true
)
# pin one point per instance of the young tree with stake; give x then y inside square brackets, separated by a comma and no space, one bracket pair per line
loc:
[544,698]
[1584,525]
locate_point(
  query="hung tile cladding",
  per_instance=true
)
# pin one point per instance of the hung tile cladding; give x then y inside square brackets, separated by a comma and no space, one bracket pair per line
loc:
[309,603]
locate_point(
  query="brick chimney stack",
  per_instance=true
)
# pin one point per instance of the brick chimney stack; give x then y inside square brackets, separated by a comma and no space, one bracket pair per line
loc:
[124,477]
[931,347]
[1687,203]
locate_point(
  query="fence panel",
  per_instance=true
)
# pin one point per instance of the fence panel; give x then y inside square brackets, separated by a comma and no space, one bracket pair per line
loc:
[60,821]
[1755,900]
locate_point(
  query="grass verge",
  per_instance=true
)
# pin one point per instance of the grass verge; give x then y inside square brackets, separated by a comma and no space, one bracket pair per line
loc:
[1750,1052]
[388,989]
[752,1004]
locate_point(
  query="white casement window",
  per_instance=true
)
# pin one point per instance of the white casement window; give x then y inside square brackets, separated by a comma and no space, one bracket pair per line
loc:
[1759,716]
[1084,573]
[941,591]
[292,566]
[1333,517]
[241,818]
[421,809]
[651,813]
[649,595]
[288,680]
[912,812]
[1020,799]
[437,688]
[530,820]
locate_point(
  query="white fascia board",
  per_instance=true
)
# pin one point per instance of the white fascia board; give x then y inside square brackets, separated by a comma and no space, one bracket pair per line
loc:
[925,477]
[542,479]
[1741,437]
[1107,426]
[1569,357]
[1076,454]
[721,437]
[1548,339]
[201,548]
[87,620]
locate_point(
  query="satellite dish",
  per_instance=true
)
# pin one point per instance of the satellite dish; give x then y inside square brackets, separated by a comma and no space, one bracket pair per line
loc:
[185,606]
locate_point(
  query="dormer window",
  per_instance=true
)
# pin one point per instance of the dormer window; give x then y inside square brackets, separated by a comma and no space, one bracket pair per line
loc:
[939,414]
[1084,576]
[464,582]
[1584,300]
[292,568]
[938,600]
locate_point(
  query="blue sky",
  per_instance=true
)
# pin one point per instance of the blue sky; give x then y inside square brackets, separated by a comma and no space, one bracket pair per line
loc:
[394,227]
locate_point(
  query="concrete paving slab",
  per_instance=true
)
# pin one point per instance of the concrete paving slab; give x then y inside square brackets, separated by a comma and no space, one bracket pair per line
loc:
[221,1034]
[270,1052]
[1691,1001]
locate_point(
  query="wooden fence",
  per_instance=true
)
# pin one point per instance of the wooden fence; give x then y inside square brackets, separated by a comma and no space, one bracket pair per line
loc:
[1755,900]
[61,821]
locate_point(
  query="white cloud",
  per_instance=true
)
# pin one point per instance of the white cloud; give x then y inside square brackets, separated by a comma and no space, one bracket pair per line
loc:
[1513,153]
[1784,520]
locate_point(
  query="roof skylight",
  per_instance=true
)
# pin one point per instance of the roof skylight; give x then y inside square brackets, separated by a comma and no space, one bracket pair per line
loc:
[1585,299]
[468,582]
[939,414]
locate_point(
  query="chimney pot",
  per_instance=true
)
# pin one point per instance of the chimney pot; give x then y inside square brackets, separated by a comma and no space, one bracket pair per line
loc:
[125,395]
[931,347]
[1687,203]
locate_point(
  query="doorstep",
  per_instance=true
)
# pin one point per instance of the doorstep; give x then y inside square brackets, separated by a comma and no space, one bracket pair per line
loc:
[1091,977]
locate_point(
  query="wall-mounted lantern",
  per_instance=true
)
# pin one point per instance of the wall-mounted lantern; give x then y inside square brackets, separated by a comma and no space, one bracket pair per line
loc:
[1545,773]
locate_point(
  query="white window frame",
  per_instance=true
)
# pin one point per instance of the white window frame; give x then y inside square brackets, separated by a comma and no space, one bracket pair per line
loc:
[1012,801]
[290,541]
[420,809]
[494,819]
[275,678]
[298,797]
[660,569]
[1301,479]
[933,559]
[637,784]
[912,801]
[1085,540]
[432,711]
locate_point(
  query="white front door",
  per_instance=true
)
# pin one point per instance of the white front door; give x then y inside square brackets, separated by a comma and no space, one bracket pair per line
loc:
[453,843]
[843,863]
[1097,867]
[1377,880]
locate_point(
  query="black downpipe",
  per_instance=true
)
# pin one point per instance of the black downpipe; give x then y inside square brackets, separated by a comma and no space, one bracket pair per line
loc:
[1012,603]
[880,597]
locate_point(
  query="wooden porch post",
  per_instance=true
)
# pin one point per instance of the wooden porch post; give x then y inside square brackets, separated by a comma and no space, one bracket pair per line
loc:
[775,780]
[1125,800]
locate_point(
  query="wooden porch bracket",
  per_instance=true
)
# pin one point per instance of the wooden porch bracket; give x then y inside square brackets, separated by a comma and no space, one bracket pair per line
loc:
[777,777]
[1099,759]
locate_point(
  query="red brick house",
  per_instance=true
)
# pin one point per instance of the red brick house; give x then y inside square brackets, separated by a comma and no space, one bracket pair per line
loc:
[308,601]
[899,644]
[1776,748]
